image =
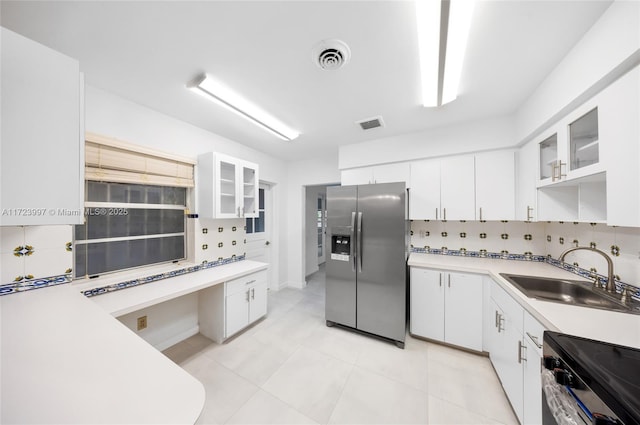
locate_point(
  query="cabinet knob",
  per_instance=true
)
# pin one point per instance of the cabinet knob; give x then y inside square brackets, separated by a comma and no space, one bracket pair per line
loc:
[550,362]
[563,376]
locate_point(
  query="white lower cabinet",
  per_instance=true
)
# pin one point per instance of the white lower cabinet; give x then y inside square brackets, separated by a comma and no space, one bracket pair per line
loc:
[226,309]
[447,307]
[513,348]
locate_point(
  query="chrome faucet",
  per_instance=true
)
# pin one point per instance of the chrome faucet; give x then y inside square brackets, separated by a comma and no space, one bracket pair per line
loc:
[611,285]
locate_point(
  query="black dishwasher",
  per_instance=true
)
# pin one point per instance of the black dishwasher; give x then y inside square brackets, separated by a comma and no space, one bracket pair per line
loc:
[589,382]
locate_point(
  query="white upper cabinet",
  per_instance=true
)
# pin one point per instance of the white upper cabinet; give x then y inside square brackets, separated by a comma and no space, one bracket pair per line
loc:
[424,195]
[387,173]
[457,188]
[495,185]
[620,127]
[227,187]
[443,189]
[42,161]
[526,177]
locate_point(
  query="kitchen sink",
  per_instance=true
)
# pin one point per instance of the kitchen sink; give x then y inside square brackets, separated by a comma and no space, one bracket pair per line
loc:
[566,291]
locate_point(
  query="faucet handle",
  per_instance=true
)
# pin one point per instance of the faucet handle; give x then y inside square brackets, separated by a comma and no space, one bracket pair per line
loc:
[627,292]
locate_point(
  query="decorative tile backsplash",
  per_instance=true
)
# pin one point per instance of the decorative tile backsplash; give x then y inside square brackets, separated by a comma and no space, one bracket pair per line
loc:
[217,239]
[622,244]
[29,253]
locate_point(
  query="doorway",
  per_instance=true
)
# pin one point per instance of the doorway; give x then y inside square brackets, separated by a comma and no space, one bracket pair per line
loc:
[259,230]
[315,227]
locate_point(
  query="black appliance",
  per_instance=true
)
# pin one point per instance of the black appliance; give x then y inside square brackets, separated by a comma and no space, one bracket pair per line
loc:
[589,382]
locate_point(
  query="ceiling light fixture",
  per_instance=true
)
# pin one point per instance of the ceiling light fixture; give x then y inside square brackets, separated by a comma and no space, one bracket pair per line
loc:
[218,93]
[443,31]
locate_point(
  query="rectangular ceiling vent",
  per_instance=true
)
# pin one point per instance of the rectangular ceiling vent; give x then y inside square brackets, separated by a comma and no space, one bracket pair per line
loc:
[370,123]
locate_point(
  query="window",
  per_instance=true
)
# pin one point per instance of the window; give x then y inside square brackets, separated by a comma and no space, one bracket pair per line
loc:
[129,225]
[256,225]
[135,201]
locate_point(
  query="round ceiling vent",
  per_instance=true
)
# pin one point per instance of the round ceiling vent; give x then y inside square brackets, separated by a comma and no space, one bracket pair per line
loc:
[331,54]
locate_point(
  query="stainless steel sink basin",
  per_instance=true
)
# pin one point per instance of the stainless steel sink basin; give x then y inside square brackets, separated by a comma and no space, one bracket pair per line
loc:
[566,291]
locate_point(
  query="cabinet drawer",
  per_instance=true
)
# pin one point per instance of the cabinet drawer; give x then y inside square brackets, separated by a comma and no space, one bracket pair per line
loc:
[242,283]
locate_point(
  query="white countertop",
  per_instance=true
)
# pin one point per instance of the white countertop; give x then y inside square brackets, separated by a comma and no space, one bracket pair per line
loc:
[602,325]
[64,359]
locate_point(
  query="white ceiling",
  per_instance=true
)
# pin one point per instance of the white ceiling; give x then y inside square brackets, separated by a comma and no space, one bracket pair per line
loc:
[147,51]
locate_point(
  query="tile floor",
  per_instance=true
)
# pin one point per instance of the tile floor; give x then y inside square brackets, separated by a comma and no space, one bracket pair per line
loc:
[291,369]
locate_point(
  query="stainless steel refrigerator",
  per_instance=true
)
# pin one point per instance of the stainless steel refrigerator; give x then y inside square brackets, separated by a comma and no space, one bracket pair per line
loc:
[367,240]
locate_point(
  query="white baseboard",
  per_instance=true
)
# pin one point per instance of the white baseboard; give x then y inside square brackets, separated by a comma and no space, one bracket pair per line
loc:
[177,338]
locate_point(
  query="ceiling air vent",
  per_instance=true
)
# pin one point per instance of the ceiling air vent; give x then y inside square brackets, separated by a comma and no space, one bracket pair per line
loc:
[331,54]
[370,123]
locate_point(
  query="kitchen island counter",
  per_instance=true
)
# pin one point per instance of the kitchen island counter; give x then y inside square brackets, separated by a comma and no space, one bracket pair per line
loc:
[603,325]
[66,359]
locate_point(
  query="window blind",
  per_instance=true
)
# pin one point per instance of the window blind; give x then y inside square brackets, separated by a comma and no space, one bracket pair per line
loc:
[116,161]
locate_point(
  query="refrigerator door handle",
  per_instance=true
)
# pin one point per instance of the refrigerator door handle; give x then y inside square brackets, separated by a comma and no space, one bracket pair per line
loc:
[359,241]
[353,241]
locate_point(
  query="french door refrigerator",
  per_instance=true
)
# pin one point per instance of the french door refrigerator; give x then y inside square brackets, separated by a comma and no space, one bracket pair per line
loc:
[367,242]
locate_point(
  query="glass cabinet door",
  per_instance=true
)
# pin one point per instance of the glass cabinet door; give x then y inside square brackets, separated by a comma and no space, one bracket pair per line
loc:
[583,140]
[227,192]
[249,189]
[548,156]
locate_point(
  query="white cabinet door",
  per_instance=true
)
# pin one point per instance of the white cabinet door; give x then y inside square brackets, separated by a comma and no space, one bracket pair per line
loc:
[463,310]
[237,312]
[495,185]
[424,195]
[620,133]
[248,184]
[457,188]
[506,354]
[532,385]
[526,173]
[227,187]
[42,163]
[226,192]
[258,301]
[427,303]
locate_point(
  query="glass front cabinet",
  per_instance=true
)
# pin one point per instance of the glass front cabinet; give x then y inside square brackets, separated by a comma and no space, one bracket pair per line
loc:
[571,151]
[227,187]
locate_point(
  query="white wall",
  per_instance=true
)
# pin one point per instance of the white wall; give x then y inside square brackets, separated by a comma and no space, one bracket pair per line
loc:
[320,171]
[608,49]
[451,140]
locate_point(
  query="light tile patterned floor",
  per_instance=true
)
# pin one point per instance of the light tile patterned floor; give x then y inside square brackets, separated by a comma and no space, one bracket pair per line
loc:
[291,369]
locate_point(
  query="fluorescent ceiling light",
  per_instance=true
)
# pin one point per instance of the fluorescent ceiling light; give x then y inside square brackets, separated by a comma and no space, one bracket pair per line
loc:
[460,13]
[446,43]
[222,95]
[428,21]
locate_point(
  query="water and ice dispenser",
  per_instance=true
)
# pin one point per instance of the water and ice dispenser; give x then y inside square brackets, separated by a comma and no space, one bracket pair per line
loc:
[340,247]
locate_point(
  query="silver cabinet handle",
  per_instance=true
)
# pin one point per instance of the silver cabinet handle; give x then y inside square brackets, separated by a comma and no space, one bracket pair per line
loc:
[480,213]
[521,347]
[243,211]
[496,320]
[436,213]
[250,282]
[534,339]
[449,279]
[444,213]
[529,213]
[246,298]
[239,212]
[253,293]
[500,323]
[440,274]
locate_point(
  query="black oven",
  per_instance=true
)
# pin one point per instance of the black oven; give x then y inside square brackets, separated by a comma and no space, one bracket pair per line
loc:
[589,382]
